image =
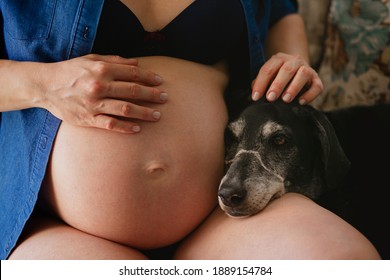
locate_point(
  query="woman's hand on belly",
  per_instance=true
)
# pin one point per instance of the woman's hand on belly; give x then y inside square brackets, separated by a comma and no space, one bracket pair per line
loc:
[102,92]
[151,189]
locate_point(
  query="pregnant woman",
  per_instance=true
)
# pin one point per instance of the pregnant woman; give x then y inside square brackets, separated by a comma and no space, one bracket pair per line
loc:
[112,129]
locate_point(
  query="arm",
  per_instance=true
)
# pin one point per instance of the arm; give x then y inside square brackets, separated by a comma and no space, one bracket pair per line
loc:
[287,72]
[91,91]
[19,88]
[288,36]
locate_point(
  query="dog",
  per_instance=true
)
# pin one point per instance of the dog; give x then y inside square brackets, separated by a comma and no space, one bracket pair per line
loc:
[274,148]
[339,159]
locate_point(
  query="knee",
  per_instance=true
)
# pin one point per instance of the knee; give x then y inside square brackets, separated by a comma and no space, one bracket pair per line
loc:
[292,227]
[316,233]
[327,238]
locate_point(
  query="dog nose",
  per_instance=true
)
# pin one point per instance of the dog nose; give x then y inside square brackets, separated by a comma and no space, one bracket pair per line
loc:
[231,196]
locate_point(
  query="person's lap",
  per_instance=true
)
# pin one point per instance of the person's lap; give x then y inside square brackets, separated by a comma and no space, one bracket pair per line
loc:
[48,238]
[292,227]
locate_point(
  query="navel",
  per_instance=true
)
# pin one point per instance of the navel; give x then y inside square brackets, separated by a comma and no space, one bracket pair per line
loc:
[156,169]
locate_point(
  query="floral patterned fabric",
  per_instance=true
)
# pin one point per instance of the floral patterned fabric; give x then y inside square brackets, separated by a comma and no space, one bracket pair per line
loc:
[315,14]
[355,67]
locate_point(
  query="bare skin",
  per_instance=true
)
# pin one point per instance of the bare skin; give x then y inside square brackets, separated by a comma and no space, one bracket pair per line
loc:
[141,190]
[48,238]
[291,227]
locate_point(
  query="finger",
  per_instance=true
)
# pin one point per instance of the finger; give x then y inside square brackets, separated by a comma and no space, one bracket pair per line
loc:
[315,88]
[285,75]
[266,75]
[128,110]
[134,91]
[131,73]
[113,59]
[125,69]
[296,85]
[114,124]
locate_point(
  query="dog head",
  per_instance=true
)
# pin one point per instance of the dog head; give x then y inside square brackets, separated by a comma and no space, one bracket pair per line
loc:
[274,148]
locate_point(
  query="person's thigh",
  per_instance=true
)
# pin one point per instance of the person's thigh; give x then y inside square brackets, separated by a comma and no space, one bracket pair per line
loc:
[291,227]
[46,238]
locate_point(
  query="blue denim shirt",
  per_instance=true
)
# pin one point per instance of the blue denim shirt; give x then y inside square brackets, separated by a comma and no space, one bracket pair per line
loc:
[57,30]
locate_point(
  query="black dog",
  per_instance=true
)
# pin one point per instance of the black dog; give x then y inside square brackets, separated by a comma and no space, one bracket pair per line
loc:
[363,201]
[273,148]
[335,158]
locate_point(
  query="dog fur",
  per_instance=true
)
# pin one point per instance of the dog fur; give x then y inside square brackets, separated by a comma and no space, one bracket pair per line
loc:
[274,148]
[340,159]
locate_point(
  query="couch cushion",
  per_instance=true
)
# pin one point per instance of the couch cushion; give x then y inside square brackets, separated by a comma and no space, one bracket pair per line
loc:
[355,67]
[315,15]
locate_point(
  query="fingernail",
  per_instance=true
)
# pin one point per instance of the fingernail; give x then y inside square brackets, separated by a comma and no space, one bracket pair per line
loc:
[271,96]
[158,79]
[136,128]
[302,101]
[256,96]
[163,96]
[156,115]
[286,97]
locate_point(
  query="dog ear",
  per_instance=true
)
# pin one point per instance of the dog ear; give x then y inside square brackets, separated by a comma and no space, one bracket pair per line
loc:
[335,163]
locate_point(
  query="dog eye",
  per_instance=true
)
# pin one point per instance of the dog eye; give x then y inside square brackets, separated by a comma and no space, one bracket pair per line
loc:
[279,140]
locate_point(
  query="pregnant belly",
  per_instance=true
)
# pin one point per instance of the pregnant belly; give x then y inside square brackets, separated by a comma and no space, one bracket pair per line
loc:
[153,188]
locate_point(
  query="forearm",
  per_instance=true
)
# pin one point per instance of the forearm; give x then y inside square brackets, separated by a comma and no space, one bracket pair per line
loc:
[20,86]
[288,36]
[287,71]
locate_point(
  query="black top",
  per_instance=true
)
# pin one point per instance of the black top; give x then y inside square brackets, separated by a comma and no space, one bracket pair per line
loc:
[204,32]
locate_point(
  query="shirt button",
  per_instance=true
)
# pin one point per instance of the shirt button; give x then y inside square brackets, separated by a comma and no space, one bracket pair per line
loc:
[86,32]
[44,142]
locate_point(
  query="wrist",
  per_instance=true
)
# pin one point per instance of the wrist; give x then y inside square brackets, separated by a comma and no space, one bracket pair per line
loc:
[22,86]
[40,84]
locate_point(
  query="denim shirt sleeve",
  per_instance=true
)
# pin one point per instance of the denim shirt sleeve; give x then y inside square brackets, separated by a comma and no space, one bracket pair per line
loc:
[44,31]
[260,15]
[2,47]
[281,8]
